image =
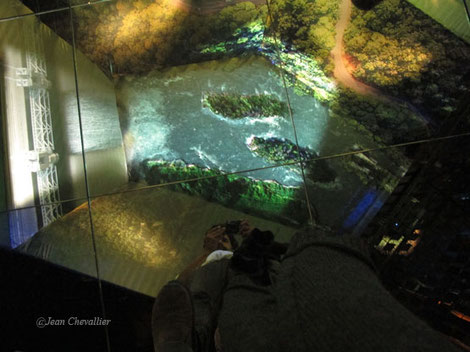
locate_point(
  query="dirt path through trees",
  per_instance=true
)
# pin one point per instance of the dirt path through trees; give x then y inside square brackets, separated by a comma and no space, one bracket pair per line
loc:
[342,74]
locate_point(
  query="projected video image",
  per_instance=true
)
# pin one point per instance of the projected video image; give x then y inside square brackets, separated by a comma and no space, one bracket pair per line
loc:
[289,112]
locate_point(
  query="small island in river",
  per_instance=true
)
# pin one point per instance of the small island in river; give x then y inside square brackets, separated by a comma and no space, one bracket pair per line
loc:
[237,106]
[278,150]
[284,151]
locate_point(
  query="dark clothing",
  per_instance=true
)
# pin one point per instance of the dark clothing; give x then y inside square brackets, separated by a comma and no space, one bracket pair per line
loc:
[324,295]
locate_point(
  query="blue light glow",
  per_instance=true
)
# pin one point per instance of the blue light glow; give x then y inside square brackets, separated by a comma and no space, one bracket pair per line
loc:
[361,208]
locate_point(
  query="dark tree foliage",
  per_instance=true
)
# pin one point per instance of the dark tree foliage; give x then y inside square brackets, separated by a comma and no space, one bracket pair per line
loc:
[400,49]
[366,4]
[309,25]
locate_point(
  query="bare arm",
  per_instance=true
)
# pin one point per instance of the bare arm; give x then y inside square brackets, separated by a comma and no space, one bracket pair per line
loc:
[212,242]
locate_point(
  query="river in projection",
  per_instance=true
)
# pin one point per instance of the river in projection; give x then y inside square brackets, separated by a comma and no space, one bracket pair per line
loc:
[162,117]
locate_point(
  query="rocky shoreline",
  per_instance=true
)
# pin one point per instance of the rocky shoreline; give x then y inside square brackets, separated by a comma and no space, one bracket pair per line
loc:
[268,199]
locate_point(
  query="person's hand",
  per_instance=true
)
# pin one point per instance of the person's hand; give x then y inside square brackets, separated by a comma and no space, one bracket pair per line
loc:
[213,238]
[245,228]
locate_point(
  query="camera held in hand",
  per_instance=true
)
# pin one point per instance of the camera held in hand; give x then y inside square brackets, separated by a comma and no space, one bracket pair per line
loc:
[232,227]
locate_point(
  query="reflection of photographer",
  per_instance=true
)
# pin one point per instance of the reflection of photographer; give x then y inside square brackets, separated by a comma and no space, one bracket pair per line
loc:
[319,293]
[220,242]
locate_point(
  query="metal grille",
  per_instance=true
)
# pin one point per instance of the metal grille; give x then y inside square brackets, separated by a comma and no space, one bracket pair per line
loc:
[41,121]
[43,138]
[48,188]
[35,60]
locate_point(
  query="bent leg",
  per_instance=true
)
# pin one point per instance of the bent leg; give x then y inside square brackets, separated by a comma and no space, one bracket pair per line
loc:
[173,319]
[207,287]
